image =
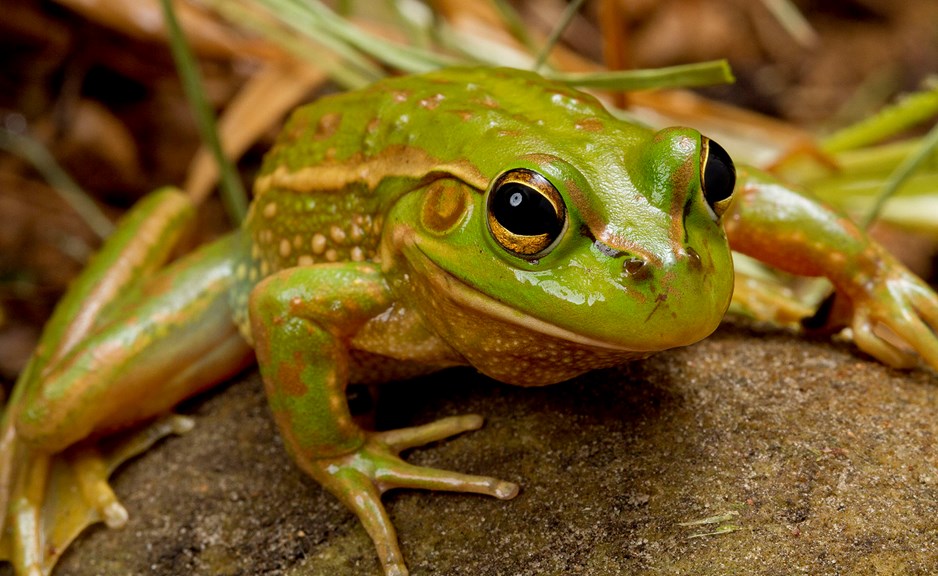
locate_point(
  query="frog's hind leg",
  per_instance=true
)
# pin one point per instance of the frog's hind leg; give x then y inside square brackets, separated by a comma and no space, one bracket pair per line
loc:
[120,377]
[104,371]
[139,246]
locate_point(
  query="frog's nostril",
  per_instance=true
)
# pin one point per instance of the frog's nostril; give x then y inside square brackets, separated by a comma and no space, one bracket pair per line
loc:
[635,268]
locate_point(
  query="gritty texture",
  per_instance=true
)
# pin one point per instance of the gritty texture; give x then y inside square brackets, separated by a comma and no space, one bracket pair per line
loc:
[817,459]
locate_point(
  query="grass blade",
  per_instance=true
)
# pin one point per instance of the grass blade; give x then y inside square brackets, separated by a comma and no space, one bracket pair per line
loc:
[232,192]
[908,112]
[684,76]
[903,173]
[568,14]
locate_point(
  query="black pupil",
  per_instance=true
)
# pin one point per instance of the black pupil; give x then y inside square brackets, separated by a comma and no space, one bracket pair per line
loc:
[524,211]
[719,174]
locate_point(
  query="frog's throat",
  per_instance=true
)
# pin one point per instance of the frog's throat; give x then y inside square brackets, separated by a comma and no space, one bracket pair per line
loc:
[465,295]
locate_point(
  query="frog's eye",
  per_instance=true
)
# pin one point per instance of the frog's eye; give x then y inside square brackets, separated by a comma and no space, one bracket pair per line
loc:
[526,214]
[717,175]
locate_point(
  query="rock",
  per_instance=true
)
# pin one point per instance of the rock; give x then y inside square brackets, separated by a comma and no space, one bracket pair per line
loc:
[755,451]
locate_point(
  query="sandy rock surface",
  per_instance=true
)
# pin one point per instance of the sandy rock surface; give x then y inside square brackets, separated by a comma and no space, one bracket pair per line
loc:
[793,457]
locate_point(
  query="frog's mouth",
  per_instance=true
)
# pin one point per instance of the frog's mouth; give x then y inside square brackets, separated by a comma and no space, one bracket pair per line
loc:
[466,297]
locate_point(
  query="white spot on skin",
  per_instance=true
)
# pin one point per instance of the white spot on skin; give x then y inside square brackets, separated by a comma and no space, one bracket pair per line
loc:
[285,248]
[270,210]
[332,255]
[357,254]
[305,260]
[337,234]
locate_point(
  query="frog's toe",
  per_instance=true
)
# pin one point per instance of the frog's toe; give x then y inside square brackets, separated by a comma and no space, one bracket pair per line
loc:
[925,303]
[92,467]
[358,479]
[55,497]
[899,324]
[766,300]
[46,511]
[359,493]
[922,338]
[91,473]
[395,473]
[404,475]
[404,438]
[867,339]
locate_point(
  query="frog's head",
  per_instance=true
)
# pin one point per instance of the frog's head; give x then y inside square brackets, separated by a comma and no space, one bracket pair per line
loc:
[609,237]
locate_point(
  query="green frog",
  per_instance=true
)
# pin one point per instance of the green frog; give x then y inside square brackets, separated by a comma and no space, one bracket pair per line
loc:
[482,217]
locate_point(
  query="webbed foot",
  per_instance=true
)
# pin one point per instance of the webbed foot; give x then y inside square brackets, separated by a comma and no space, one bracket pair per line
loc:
[358,479]
[53,498]
[893,314]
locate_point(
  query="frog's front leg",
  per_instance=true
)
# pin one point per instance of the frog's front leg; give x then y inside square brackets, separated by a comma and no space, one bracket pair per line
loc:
[302,320]
[798,234]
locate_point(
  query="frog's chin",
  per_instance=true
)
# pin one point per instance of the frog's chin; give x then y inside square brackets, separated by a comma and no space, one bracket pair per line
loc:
[466,297]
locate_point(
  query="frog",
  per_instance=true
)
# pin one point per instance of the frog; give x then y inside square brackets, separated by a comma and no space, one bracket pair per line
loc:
[483,217]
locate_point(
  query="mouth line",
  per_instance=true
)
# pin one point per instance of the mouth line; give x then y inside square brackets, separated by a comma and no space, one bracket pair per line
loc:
[467,296]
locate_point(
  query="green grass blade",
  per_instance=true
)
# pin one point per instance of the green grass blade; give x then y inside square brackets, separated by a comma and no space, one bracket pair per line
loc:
[568,14]
[344,65]
[413,20]
[908,112]
[316,21]
[514,24]
[232,192]
[308,27]
[904,172]
[684,76]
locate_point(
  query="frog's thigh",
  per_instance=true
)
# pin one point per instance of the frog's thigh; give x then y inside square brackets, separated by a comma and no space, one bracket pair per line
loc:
[169,347]
[302,320]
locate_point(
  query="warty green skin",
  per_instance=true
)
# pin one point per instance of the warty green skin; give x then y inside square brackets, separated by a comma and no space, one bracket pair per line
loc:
[367,255]
[630,192]
[369,229]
